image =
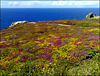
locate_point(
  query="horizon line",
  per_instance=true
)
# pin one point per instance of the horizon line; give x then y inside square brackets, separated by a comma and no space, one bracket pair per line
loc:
[81,7]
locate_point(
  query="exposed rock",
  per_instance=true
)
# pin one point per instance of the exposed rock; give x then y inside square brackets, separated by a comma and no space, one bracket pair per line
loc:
[18,22]
[33,22]
[96,17]
[63,25]
[91,16]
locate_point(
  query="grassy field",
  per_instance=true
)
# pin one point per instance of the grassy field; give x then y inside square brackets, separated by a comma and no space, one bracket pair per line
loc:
[48,49]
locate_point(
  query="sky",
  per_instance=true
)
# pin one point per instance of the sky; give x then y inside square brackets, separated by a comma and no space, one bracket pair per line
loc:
[50,4]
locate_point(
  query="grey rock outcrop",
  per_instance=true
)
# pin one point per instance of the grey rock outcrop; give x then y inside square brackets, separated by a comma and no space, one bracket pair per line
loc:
[91,16]
[18,22]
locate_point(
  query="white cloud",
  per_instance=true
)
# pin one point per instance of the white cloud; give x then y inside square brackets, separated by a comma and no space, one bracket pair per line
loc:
[15,3]
[59,3]
[86,2]
[29,3]
[46,4]
[26,3]
[75,2]
[70,2]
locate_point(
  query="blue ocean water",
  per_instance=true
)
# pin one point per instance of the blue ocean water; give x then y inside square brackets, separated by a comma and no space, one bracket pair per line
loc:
[9,15]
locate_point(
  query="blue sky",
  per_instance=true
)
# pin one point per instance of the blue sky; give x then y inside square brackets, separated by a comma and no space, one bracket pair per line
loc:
[50,4]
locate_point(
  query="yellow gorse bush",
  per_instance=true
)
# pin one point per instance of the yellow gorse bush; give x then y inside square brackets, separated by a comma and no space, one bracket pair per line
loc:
[96,23]
[89,30]
[45,43]
[91,43]
[95,29]
[36,42]
[2,42]
[59,51]
[3,62]
[54,58]
[73,39]
[10,36]
[36,25]
[79,42]
[40,38]
[6,36]
[69,46]
[53,36]
[98,47]
[71,29]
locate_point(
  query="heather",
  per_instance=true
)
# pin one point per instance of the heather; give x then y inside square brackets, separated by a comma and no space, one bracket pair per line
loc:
[51,48]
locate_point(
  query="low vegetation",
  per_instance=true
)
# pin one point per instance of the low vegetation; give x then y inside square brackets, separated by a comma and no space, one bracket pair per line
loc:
[48,49]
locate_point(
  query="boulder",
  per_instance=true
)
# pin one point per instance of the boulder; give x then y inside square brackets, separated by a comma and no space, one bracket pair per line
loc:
[90,15]
[96,17]
[18,22]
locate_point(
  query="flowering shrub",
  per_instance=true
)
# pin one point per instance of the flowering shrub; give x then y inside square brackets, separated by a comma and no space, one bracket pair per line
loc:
[48,49]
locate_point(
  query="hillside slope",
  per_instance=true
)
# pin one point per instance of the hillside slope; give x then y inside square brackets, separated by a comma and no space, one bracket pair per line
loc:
[51,48]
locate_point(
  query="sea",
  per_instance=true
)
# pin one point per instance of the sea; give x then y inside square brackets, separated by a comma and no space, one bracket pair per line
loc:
[10,15]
